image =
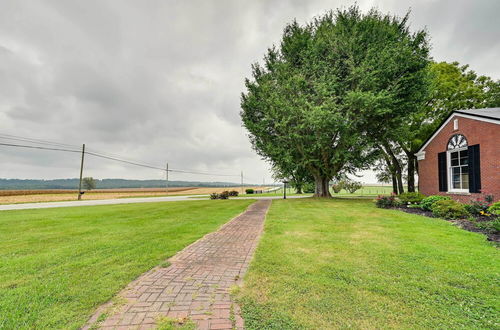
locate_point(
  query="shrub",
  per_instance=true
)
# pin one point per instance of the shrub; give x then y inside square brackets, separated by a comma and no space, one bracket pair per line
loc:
[337,187]
[426,203]
[477,208]
[309,188]
[249,191]
[494,208]
[352,186]
[386,202]
[490,226]
[233,193]
[411,197]
[448,209]
[222,195]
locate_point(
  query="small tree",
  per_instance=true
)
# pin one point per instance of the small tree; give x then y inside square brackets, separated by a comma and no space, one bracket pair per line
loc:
[88,183]
[352,186]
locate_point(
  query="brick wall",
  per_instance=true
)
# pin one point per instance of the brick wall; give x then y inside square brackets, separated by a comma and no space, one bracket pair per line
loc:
[487,135]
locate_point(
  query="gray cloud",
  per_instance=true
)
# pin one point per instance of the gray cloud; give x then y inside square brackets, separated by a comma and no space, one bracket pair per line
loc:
[160,81]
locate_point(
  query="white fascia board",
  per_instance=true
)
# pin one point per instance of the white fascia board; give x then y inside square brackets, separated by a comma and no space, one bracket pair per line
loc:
[456,114]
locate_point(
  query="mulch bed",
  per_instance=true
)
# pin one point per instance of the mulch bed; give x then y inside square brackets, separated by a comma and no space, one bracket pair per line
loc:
[461,223]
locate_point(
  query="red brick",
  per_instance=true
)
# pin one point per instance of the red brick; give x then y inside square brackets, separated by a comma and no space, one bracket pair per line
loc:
[487,135]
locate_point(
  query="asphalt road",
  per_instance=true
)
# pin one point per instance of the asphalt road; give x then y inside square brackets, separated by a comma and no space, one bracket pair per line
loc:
[46,205]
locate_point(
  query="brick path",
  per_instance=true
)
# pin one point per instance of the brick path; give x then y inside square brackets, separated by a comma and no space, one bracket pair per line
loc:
[196,285]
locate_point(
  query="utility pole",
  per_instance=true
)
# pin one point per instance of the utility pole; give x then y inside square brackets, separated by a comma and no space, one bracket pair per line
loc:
[81,174]
[242,182]
[167,178]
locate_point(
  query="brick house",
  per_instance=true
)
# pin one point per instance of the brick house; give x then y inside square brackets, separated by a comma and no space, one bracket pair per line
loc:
[461,159]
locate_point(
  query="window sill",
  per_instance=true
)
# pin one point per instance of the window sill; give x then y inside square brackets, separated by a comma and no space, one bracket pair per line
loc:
[465,193]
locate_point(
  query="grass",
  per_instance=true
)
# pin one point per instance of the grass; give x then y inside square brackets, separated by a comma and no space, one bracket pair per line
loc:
[342,263]
[166,323]
[365,191]
[58,265]
[279,192]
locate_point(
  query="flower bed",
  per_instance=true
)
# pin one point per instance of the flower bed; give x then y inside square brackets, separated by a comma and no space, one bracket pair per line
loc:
[479,216]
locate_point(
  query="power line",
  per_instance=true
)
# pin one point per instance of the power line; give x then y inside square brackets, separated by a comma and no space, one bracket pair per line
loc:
[119,160]
[36,147]
[37,141]
[203,173]
[125,161]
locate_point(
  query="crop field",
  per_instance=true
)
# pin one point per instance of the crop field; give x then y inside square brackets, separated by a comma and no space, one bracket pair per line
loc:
[55,195]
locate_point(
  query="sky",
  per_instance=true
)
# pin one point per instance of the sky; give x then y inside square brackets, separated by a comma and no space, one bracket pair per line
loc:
[160,81]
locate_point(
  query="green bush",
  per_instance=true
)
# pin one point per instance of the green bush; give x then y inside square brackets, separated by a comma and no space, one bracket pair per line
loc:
[309,188]
[386,202]
[490,226]
[249,191]
[352,186]
[337,187]
[494,208]
[222,195]
[411,197]
[426,203]
[477,208]
[448,209]
[233,193]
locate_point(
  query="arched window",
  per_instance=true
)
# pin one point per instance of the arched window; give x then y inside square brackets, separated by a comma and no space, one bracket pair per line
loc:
[457,141]
[458,163]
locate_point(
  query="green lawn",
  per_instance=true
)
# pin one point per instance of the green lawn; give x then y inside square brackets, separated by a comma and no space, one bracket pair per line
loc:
[365,191]
[57,265]
[342,263]
[279,192]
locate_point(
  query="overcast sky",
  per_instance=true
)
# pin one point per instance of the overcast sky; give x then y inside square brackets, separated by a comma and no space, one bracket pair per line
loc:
[158,81]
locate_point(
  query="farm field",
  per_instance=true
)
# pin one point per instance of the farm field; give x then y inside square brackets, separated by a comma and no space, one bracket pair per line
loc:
[35,196]
[343,263]
[58,265]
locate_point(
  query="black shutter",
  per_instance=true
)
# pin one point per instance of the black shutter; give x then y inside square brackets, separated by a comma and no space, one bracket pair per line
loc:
[443,182]
[474,169]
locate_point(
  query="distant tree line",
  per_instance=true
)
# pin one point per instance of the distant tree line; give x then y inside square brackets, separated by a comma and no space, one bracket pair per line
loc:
[18,184]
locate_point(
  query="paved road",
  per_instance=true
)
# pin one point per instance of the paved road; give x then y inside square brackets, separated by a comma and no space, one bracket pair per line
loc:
[45,205]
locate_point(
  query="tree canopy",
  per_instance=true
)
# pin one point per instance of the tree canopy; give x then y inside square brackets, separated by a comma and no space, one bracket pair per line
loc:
[332,90]
[452,87]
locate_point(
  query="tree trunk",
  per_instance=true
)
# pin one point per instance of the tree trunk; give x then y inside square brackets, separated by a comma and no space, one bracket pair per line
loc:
[397,168]
[416,172]
[394,184]
[298,189]
[411,172]
[399,177]
[322,189]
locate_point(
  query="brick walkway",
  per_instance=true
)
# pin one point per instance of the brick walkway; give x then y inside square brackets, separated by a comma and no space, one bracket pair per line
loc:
[196,286]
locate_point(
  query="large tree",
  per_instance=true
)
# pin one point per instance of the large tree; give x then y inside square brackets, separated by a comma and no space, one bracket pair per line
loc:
[333,90]
[453,87]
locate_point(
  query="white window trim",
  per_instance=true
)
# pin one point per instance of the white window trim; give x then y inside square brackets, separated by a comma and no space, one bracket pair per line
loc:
[449,172]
